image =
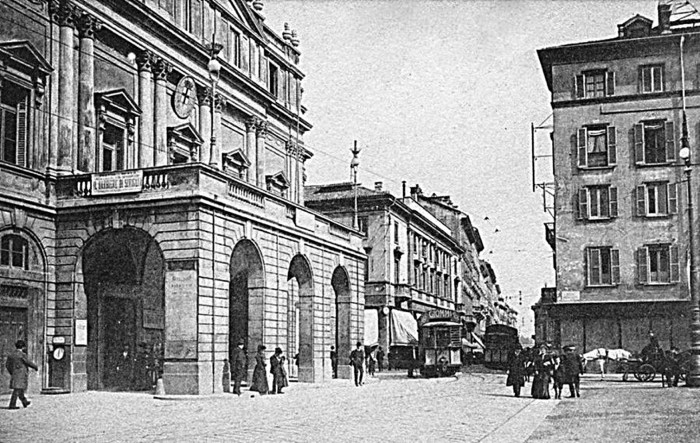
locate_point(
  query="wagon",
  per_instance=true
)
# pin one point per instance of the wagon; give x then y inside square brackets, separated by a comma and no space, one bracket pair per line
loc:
[645,369]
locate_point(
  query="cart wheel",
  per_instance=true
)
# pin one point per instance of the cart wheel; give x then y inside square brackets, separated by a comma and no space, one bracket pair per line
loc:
[646,372]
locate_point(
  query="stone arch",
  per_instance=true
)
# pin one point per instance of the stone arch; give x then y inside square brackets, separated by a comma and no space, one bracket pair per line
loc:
[301,273]
[23,294]
[340,281]
[120,290]
[246,296]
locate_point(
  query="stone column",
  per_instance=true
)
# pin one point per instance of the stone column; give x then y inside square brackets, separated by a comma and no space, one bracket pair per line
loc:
[291,169]
[161,68]
[64,14]
[204,99]
[146,144]
[261,132]
[215,157]
[251,151]
[87,25]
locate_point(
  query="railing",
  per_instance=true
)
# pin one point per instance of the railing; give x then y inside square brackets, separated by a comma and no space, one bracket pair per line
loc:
[244,194]
[155,180]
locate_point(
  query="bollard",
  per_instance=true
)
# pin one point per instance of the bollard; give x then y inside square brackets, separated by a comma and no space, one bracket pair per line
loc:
[160,390]
[226,376]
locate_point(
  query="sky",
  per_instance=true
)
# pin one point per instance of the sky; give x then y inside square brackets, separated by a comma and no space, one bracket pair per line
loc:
[442,94]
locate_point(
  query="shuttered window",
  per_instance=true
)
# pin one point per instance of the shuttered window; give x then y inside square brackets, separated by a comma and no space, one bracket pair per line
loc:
[654,142]
[602,266]
[658,264]
[597,203]
[591,84]
[651,78]
[596,146]
[13,123]
[657,199]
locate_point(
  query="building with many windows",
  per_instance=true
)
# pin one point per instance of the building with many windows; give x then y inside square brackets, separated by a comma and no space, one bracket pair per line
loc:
[151,197]
[621,228]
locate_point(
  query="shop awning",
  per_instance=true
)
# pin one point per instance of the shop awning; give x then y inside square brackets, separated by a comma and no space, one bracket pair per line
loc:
[404,328]
[371,327]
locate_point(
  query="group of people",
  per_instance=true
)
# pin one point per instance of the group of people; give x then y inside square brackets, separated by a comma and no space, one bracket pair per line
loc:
[546,367]
[259,384]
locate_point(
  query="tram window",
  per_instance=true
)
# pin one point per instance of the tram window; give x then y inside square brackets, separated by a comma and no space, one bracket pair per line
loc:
[443,337]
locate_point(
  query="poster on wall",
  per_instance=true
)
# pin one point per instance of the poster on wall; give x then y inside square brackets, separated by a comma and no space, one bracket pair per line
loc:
[81,336]
[181,310]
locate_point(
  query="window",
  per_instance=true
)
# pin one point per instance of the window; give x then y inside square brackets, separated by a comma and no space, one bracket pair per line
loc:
[651,78]
[654,142]
[597,203]
[657,199]
[658,264]
[112,148]
[447,287]
[602,266]
[597,146]
[396,232]
[190,16]
[273,85]
[397,269]
[362,223]
[598,83]
[14,252]
[416,275]
[235,51]
[13,123]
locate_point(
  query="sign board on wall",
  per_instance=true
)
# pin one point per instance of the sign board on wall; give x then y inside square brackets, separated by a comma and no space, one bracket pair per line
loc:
[181,310]
[570,296]
[81,336]
[119,182]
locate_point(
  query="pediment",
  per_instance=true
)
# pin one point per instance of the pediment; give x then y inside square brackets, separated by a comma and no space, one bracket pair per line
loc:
[24,54]
[637,19]
[237,158]
[118,99]
[278,180]
[243,12]
[185,133]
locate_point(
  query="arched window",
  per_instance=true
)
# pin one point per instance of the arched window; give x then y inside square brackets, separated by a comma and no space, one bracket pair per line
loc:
[14,252]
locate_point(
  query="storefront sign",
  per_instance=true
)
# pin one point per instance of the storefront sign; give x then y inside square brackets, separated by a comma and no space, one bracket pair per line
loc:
[180,313]
[439,314]
[81,336]
[117,182]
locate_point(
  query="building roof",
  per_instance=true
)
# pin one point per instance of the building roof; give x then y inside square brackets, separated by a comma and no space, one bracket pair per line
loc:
[338,191]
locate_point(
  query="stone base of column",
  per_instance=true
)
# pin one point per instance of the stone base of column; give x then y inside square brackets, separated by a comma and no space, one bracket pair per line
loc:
[181,378]
[306,375]
[345,372]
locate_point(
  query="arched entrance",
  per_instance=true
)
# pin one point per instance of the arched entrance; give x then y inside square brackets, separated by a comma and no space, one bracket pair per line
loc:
[246,295]
[302,281]
[341,285]
[123,271]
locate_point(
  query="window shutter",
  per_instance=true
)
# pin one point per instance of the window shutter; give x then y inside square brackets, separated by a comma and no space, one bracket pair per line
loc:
[245,46]
[662,198]
[264,68]
[670,142]
[613,201]
[594,266]
[582,138]
[22,133]
[586,267]
[641,201]
[196,18]
[675,264]
[579,89]
[612,145]
[672,198]
[642,274]
[583,204]
[639,143]
[610,82]
[640,80]
[615,265]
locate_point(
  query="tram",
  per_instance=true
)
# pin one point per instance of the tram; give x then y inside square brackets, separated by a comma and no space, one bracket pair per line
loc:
[499,342]
[440,343]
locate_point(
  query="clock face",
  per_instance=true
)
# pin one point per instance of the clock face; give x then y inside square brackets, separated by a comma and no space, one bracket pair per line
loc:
[58,353]
[185,97]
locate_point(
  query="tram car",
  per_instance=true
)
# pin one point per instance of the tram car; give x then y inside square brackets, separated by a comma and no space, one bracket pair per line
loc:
[499,343]
[440,343]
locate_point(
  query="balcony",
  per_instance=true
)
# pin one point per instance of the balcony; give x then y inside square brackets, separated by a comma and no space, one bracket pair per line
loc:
[194,181]
[549,235]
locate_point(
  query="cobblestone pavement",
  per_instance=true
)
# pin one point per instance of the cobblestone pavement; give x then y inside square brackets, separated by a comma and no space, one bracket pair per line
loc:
[472,408]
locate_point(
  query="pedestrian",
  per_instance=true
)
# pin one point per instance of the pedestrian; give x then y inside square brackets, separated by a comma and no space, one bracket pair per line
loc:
[259,382]
[18,365]
[380,359]
[573,368]
[124,368]
[390,360]
[371,363]
[558,376]
[334,362]
[516,371]
[602,359]
[357,358]
[540,382]
[239,368]
[276,371]
[283,368]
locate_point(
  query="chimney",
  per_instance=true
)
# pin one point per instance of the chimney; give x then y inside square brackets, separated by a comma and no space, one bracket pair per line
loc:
[378,186]
[403,188]
[664,18]
[416,191]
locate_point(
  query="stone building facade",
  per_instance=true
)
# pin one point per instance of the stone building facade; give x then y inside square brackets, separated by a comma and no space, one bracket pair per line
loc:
[151,216]
[621,225]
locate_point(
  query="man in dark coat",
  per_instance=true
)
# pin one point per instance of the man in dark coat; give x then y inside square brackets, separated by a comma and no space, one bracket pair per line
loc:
[516,371]
[18,365]
[573,368]
[276,371]
[357,358]
[380,359]
[239,368]
[334,362]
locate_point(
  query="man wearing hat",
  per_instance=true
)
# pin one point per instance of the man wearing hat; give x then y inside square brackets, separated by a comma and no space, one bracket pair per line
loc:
[276,371]
[573,368]
[239,368]
[18,365]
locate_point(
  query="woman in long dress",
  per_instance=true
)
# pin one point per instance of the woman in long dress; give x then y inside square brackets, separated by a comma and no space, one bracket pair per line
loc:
[540,383]
[259,382]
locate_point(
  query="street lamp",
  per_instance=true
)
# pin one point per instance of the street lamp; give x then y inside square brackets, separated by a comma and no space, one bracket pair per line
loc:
[693,376]
[214,68]
[354,164]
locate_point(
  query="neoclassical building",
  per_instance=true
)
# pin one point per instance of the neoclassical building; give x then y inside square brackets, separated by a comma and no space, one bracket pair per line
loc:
[151,197]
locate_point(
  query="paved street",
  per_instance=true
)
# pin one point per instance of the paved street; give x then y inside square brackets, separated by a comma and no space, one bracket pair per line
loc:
[473,408]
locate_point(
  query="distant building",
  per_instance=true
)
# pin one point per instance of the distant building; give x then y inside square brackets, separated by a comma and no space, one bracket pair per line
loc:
[621,228]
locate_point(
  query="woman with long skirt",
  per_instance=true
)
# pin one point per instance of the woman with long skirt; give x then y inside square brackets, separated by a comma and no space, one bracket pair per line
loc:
[259,382]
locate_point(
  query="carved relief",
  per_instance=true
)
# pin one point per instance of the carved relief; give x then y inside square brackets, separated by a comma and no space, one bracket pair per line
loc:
[161,68]
[87,25]
[144,61]
[63,12]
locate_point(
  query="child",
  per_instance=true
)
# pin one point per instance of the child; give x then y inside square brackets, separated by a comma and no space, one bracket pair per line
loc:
[558,375]
[283,365]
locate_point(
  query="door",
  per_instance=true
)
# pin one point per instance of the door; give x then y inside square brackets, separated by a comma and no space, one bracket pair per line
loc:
[13,327]
[118,317]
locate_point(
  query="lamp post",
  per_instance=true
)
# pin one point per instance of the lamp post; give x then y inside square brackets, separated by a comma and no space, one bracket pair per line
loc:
[353,167]
[214,68]
[693,376]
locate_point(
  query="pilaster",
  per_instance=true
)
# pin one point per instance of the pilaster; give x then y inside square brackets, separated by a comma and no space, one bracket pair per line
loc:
[87,26]
[204,98]
[251,151]
[261,134]
[146,152]
[161,68]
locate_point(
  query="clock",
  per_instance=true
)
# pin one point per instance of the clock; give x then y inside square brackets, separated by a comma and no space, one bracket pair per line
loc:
[185,97]
[58,353]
